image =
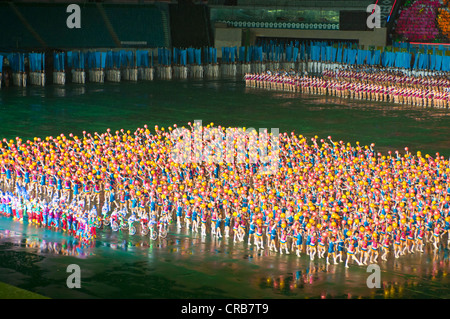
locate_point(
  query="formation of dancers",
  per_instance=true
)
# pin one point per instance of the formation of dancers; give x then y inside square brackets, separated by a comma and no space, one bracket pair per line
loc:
[55,214]
[327,199]
[362,83]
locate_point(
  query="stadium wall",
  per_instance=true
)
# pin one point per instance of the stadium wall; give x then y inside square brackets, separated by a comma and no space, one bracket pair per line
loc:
[237,36]
[190,25]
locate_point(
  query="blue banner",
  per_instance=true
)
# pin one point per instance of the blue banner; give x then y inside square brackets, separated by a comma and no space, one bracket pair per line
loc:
[139,58]
[445,63]
[56,61]
[233,55]
[175,56]
[249,54]
[61,61]
[295,54]
[191,55]
[438,65]
[376,57]
[351,56]
[360,57]
[143,59]
[98,58]
[432,61]
[315,53]
[198,56]
[117,58]
[416,61]
[289,54]
[130,58]
[81,60]
[109,60]
[103,60]
[241,54]
[183,57]
[21,62]
[302,52]
[339,55]
[69,59]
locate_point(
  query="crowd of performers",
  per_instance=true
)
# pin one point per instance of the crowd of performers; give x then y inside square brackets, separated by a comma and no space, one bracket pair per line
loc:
[326,199]
[362,83]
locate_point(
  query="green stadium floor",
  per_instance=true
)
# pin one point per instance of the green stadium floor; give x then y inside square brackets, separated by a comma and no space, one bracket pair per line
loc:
[11,292]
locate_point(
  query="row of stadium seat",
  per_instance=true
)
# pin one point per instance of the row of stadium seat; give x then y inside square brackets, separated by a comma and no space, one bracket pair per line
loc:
[143,23]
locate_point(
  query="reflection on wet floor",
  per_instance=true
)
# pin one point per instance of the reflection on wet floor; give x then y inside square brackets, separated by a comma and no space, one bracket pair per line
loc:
[66,247]
[285,276]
